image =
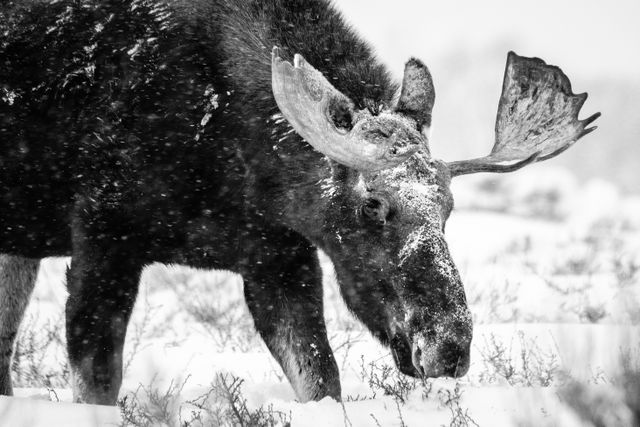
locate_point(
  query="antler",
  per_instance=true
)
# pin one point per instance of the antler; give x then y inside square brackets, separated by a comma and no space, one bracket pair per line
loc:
[537,118]
[327,119]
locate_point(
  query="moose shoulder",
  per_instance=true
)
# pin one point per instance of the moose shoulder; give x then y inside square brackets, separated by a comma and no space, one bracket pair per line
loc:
[139,132]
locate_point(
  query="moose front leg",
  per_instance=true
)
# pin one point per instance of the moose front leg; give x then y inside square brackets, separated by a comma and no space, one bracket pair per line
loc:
[103,284]
[101,298]
[283,289]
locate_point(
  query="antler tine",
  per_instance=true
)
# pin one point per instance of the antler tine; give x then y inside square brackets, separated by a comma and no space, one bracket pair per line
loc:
[537,118]
[586,122]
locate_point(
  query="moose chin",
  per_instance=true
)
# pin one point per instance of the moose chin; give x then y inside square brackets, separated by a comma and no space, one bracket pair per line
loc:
[146,131]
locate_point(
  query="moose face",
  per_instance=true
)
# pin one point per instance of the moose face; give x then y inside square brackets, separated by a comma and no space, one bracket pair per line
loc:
[387,202]
[385,235]
[384,214]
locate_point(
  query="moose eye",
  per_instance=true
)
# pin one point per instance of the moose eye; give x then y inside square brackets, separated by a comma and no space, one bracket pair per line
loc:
[381,133]
[341,115]
[376,210]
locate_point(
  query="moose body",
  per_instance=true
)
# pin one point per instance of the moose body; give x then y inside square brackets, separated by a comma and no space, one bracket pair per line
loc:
[140,132]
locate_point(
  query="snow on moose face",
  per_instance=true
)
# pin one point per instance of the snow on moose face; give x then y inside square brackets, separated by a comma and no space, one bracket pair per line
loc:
[386,240]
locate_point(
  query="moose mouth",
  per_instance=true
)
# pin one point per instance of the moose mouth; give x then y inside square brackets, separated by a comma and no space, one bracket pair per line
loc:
[420,359]
[446,359]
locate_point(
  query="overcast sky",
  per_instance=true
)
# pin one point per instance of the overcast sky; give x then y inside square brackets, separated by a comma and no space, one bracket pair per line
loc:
[588,37]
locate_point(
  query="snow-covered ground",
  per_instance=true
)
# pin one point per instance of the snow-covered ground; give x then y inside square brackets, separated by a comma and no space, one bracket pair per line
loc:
[552,272]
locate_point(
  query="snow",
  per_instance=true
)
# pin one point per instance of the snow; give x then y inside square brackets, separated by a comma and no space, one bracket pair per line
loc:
[21,412]
[553,287]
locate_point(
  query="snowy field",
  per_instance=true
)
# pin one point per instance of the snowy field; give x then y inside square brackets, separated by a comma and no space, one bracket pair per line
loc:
[551,268]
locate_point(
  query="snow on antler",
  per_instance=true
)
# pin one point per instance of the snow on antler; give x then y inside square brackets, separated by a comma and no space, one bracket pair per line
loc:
[537,118]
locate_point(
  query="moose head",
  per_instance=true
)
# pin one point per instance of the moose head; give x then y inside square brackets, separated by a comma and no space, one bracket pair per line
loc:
[387,201]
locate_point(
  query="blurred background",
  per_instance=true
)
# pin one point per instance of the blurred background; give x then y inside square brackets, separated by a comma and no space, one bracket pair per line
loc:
[465,44]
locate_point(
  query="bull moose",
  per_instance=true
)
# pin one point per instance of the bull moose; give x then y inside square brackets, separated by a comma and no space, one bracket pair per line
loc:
[145,131]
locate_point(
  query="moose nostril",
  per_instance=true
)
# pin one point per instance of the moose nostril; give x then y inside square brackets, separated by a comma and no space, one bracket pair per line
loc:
[456,360]
[443,358]
[460,368]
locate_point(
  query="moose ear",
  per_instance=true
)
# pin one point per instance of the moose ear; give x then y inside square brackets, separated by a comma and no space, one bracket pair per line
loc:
[418,94]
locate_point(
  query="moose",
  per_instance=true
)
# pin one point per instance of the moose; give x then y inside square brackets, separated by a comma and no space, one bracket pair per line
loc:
[175,132]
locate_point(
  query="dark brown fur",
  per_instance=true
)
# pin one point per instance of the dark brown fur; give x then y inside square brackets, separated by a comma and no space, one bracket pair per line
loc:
[138,137]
